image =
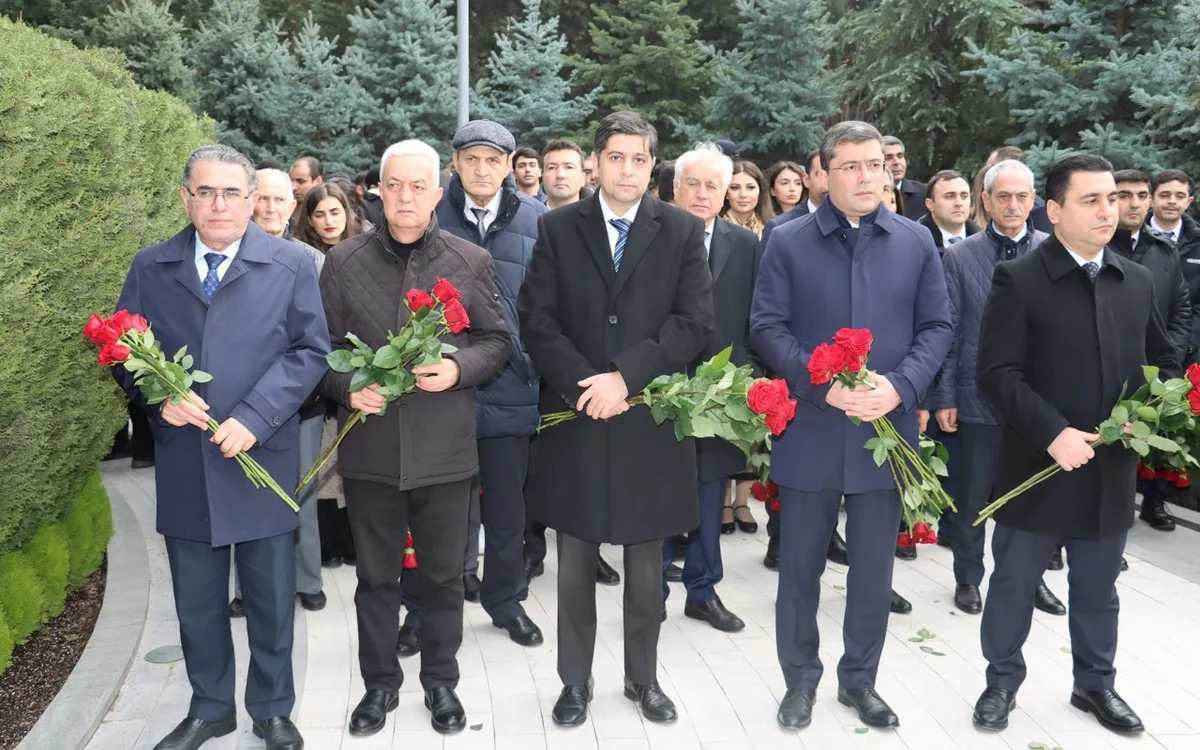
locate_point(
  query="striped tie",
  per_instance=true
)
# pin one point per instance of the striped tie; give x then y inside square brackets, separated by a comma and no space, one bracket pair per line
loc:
[622,227]
[212,280]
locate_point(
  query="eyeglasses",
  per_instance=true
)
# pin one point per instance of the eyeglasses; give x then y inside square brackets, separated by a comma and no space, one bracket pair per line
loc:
[207,196]
[870,167]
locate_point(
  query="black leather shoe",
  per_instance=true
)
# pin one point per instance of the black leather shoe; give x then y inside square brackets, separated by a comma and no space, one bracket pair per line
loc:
[522,631]
[533,570]
[652,701]
[192,733]
[673,573]
[1124,563]
[1154,512]
[446,713]
[350,558]
[571,708]
[1056,561]
[606,575]
[370,714]
[1113,713]
[837,550]
[771,560]
[715,614]
[900,605]
[237,609]
[993,707]
[945,541]
[147,462]
[408,642]
[872,710]
[471,586]
[331,562]
[906,552]
[967,599]
[279,733]
[313,602]
[795,710]
[1046,601]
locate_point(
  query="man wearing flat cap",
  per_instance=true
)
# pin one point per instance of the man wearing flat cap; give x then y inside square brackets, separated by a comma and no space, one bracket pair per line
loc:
[482,205]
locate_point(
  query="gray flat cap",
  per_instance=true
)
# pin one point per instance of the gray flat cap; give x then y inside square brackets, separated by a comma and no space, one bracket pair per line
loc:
[485,133]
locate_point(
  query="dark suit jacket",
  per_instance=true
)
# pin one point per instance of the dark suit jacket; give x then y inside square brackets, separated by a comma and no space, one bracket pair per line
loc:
[914,198]
[928,222]
[733,258]
[262,373]
[1055,351]
[811,284]
[624,480]
[799,211]
[1158,256]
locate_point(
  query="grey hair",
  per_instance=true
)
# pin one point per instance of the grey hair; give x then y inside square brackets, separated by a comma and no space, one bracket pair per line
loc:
[1007,166]
[891,140]
[625,122]
[705,152]
[222,154]
[413,147]
[850,131]
[271,172]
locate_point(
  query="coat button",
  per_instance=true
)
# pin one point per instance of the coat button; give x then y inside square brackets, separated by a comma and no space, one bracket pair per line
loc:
[404,479]
[275,421]
[612,320]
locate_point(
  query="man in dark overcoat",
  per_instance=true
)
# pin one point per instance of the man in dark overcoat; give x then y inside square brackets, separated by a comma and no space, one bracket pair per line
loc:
[851,264]
[1065,330]
[617,294]
[199,289]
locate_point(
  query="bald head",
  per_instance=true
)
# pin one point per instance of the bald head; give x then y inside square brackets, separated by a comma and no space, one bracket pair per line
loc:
[275,201]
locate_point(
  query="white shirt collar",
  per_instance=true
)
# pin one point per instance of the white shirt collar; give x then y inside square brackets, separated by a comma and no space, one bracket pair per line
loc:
[609,215]
[493,209]
[1020,235]
[812,207]
[946,236]
[202,265]
[1098,260]
[1174,234]
[1133,238]
[708,233]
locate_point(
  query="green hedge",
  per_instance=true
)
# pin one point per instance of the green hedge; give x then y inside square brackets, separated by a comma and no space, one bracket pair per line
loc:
[90,165]
[6,642]
[50,553]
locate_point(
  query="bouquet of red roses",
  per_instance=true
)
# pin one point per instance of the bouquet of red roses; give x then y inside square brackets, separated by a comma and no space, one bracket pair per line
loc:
[126,339]
[915,474]
[720,400]
[416,345]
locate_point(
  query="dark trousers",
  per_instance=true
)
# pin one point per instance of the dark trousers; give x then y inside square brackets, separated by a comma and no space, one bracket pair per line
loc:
[535,542]
[135,438]
[702,569]
[807,521]
[379,516]
[979,445]
[577,563]
[200,581]
[1093,605]
[773,524]
[503,464]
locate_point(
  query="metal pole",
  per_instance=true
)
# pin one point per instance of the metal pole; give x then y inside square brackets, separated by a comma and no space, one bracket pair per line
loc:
[464,72]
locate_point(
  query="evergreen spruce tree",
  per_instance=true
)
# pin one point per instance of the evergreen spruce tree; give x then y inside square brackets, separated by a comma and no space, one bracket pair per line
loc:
[904,66]
[1068,76]
[775,88]
[646,56]
[524,89]
[321,103]
[1167,92]
[153,43]
[403,56]
[244,67]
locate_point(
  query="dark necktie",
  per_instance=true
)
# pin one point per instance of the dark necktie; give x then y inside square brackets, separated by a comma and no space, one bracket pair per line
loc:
[1092,269]
[622,227]
[707,234]
[211,281]
[480,215]
[954,240]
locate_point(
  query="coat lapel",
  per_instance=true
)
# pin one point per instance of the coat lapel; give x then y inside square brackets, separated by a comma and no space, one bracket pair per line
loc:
[641,234]
[595,238]
[181,249]
[720,248]
[253,249]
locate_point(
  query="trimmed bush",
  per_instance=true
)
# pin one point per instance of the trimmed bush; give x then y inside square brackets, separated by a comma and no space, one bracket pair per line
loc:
[89,525]
[6,643]
[90,165]
[50,553]
[22,595]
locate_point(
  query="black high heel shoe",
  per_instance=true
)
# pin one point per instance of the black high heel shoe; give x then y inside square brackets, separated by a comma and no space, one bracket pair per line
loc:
[750,526]
[728,527]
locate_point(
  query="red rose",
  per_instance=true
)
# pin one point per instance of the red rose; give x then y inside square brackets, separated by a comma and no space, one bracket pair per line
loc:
[1145,472]
[904,540]
[761,397]
[456,316]
[445,292]
[1193,374]
[1184,480]
[1193,398]
[773,489]
[93,329]
[773,506]
[822,364]
[112,354]
[930,538]
[777,422]
[418,299]
[856,342]
[760,492]
[138,323]
[920,529]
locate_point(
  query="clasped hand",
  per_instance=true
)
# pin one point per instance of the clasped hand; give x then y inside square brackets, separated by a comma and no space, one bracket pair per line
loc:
[232,437]
[603,396]
[864,402]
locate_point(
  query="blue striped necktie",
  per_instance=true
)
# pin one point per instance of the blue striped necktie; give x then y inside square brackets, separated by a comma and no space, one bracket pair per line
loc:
[622,227]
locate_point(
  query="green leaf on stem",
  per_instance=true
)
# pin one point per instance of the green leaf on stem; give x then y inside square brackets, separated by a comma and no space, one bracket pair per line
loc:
[387,357]
[1120,414]
[1150,372]
[879,453]
[448,349]
[1141,430]
[359,381]
[187,362]
[1157,388]
[1110,432]
[1142,448]
[1163,444]
[702,426]
[938,466]
[1148,413]
[339,360]
[179,354]
[200,376]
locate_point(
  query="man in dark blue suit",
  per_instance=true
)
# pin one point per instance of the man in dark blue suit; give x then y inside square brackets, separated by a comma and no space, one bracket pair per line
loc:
[199,289]
[850,264]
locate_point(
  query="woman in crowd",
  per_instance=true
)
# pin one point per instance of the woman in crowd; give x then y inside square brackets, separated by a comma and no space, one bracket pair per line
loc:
[785,179]
[747,202]
[893,199]
[328,217]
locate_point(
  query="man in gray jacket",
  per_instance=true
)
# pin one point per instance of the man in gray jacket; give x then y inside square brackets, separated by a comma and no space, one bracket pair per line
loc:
[957,404]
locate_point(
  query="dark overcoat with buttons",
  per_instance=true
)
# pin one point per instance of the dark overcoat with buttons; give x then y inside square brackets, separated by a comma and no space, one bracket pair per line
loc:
[263,338]
[1055,351]
[624,480]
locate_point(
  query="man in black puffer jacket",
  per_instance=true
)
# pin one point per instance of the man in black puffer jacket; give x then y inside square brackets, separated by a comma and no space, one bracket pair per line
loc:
[482,205]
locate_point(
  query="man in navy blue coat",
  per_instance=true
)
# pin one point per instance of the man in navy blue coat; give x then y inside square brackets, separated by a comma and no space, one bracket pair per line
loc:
[199,289]
[850,264]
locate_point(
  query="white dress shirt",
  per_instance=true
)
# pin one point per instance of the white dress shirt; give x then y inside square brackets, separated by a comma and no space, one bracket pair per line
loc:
[1174,233]
[1098,260]
[946,236]
[812,208]
[708,232]
[609,214]
[202,265]
[492,208]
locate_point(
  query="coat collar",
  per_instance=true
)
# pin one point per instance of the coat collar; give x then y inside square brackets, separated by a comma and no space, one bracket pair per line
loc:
[1059,262]
[255,248]
[720,247]
[595,237]
[829,218]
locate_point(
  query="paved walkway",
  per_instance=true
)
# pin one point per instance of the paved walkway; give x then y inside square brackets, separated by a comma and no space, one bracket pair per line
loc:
[726,686]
